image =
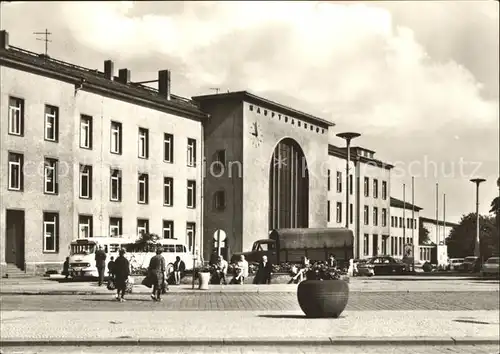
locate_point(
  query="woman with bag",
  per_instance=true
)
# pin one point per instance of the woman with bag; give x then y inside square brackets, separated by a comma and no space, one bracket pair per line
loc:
[121,274]
[156,272]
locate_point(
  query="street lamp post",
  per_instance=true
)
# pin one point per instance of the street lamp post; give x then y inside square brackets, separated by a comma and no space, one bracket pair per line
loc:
[348,136]
[477,181]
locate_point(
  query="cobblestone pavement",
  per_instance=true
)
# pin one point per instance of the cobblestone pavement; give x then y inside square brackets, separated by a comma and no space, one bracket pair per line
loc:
[449,301]
[306,349]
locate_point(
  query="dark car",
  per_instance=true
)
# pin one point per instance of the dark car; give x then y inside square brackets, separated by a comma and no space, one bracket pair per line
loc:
[385,265]
[471,264]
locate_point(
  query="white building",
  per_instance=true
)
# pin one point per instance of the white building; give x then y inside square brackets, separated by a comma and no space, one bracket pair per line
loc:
[404,226]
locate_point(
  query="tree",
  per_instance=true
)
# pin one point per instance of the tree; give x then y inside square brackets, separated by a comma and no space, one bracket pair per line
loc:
[423,236]
[462,237]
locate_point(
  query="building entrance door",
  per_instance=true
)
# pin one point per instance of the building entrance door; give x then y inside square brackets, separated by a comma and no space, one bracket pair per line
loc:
[14,240]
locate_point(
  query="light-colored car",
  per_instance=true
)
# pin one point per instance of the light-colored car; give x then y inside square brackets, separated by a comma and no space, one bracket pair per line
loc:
[491,267]
[455,263]
[361,268]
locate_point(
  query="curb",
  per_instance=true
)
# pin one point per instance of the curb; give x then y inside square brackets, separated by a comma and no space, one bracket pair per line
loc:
[321,341]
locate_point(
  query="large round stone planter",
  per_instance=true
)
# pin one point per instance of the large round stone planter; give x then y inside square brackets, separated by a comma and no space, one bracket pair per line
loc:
[203,279]
[323,298]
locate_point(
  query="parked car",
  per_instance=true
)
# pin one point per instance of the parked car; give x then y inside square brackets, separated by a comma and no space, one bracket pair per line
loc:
[362,269]
[471,264]
[455,263]
[384,265]
[491,267]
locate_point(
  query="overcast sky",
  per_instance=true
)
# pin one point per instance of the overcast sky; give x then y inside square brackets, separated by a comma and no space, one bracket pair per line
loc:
[418,80]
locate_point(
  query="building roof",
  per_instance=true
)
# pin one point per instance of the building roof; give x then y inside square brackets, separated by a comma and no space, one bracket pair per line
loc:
[342,153]
[398,203]
[94,80]
[423,219]
[251,98]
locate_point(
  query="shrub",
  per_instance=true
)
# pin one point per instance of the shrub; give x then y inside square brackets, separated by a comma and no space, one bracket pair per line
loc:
[427,267]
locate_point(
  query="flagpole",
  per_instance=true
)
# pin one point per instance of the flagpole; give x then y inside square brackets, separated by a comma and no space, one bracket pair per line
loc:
[437,213]
[404,218]
[413,220]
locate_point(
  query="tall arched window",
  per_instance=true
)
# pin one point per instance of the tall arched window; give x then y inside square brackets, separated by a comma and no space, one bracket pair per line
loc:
[288,187]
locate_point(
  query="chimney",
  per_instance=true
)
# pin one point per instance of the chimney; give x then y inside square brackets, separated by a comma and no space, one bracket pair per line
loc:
[109,69]
[124,76]
[164,83]
[4,39]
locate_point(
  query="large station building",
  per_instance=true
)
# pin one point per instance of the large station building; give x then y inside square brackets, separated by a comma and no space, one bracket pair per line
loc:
[89,153]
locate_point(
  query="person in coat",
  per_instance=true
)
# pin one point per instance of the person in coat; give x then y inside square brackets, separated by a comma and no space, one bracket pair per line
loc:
[111,266]
[100,262]
[156,271]
[264,271]
[179,269]
[121,271]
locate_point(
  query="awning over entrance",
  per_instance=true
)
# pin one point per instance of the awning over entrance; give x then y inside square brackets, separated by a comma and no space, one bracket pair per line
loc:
[313,238]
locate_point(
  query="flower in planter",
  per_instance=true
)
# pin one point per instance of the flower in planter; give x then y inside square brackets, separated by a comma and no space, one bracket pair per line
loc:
[206,268]
[321,271]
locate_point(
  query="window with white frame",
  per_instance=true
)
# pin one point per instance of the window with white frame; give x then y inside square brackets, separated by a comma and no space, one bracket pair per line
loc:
[168,229]
[190,234]
[50,184]
[351,214]
[339,182]
[168,148]
[85,131]
[115,226]
[384,217]
[219,162]
[168,191]
[116,138]
[85,226]
[366,245]
[142,226]
[143,188]
[375,216]
[384,244]
[367,186]
[350,185]
[51,123]
[366,215]
[50,232]
[191,194]
[328,211]
[16,116]
[85,181]
[191,152]
[16,173]
[339,212]
[116,185]
[220,200]
[328,181]
[143,143]
[375,188]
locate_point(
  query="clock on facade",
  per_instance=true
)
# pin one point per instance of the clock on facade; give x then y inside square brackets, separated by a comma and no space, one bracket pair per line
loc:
[256,134]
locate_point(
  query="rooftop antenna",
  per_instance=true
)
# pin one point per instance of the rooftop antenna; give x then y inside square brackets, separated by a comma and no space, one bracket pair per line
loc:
[216,89]
[45,39]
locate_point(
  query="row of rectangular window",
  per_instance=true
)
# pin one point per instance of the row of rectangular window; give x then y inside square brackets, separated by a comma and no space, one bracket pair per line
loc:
[51,133]
[339,182]
[339,214]
[399,222]
[51,185]
[397,245]
[51,231]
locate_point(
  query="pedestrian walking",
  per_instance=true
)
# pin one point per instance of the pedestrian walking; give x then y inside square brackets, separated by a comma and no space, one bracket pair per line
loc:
[179,268]
[65,271]
[156,271]
[121,271]
[100,262]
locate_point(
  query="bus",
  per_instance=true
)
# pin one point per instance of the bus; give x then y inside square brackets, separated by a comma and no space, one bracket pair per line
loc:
[82,254]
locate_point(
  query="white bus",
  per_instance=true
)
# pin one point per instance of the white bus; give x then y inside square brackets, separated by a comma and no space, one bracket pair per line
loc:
[82,254]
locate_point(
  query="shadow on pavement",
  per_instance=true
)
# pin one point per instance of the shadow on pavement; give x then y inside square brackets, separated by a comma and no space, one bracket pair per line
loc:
[114,300]
[475,279]
[472,321]
[292,316]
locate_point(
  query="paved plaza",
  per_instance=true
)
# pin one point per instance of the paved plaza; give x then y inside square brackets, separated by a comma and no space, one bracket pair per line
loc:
[385,315]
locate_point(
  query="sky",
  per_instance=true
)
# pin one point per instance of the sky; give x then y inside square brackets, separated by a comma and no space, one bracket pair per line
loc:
[418,80]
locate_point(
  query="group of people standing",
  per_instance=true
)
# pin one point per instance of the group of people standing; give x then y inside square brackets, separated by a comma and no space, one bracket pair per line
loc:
[263,275]
[118,269]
